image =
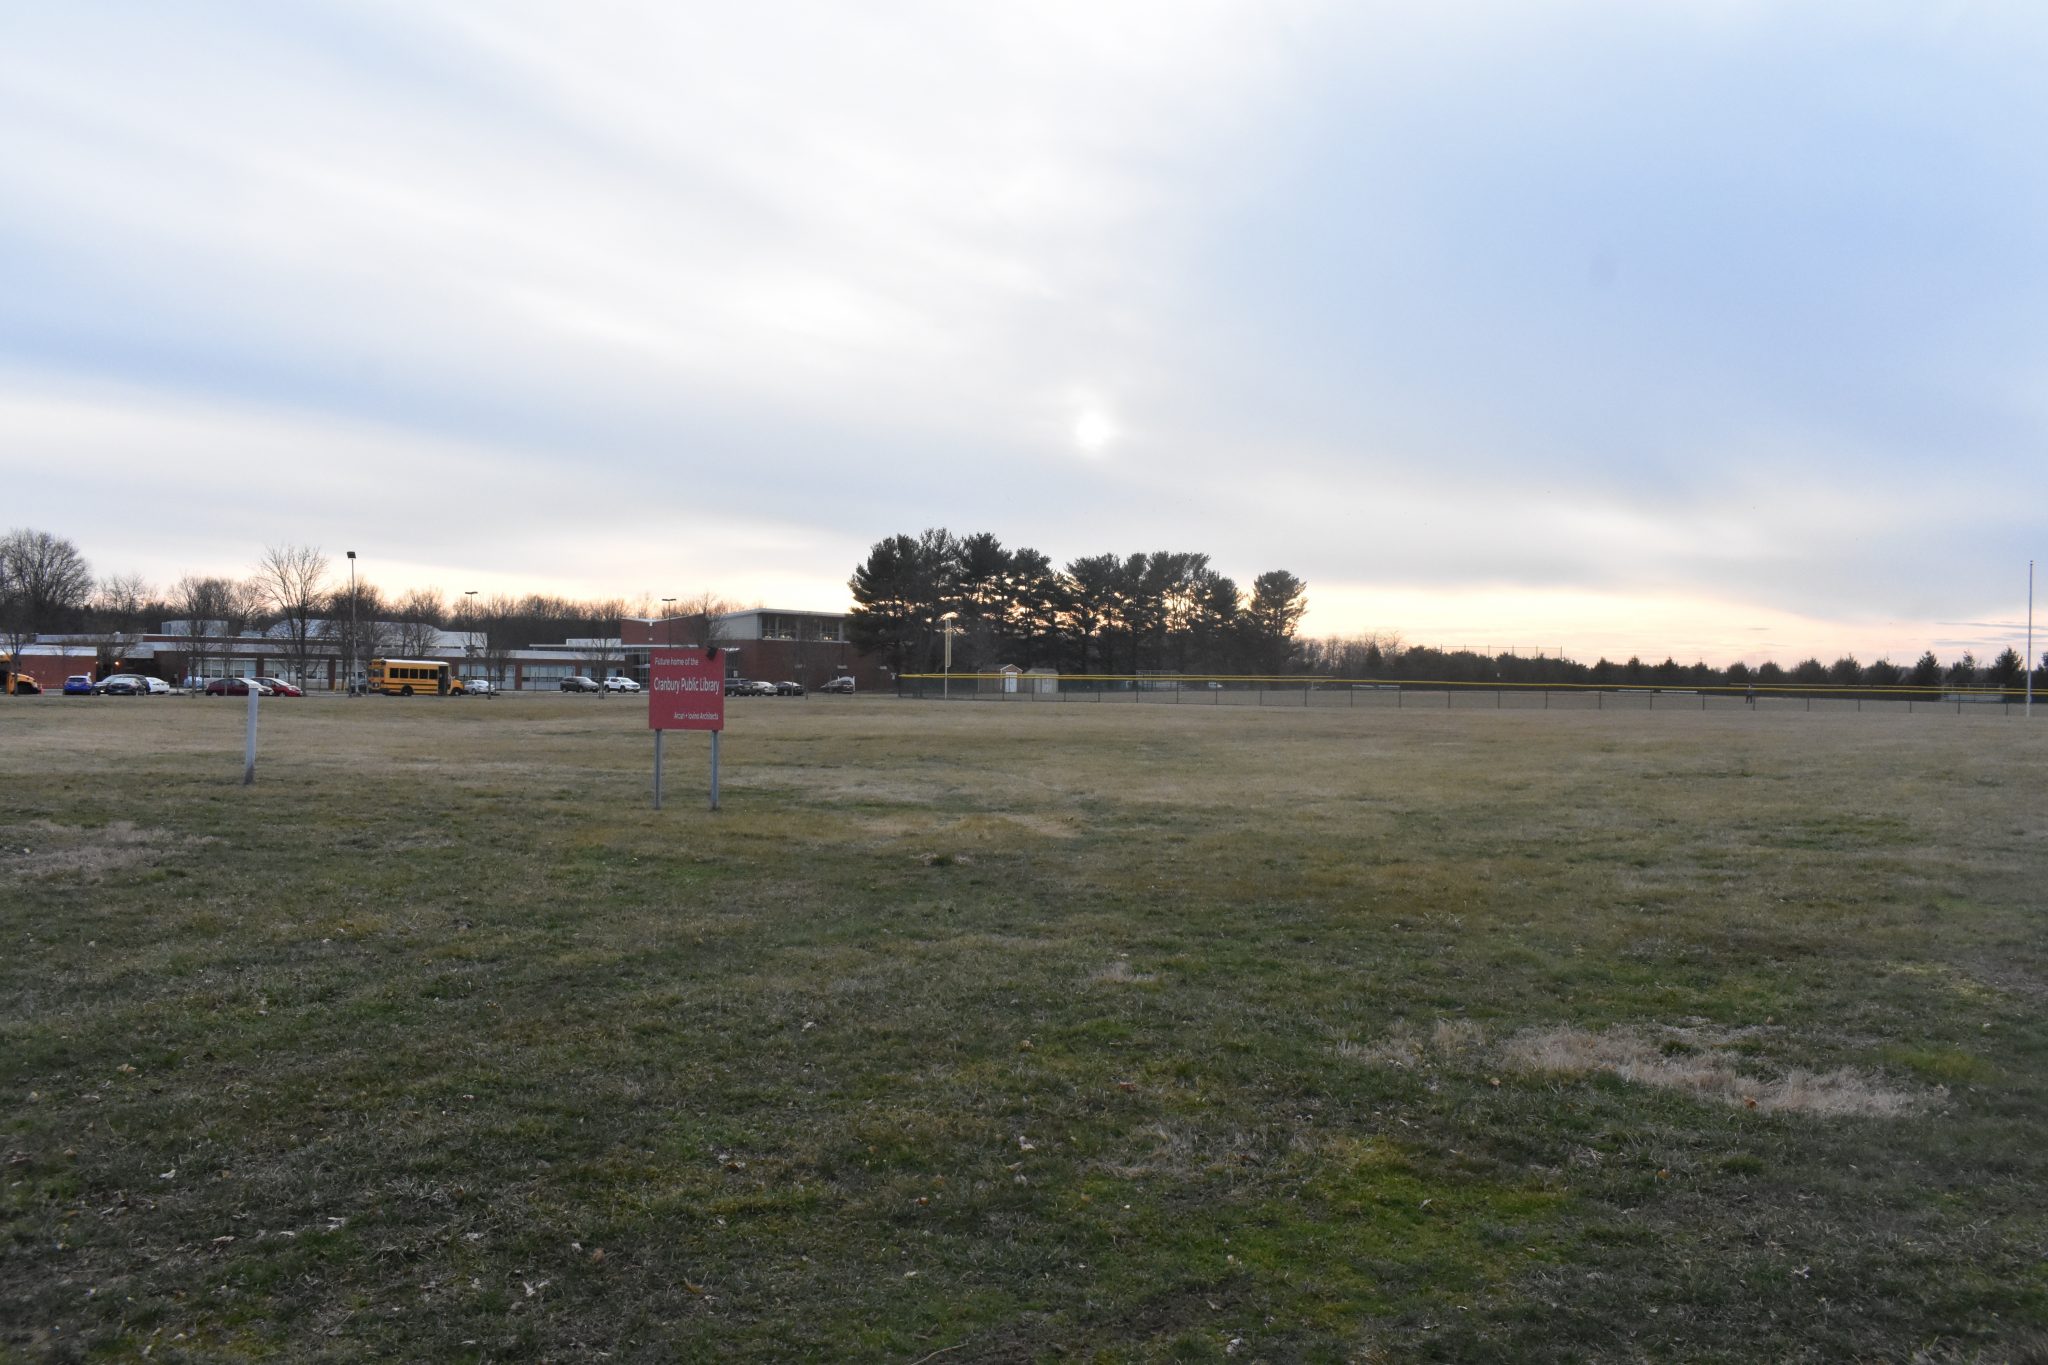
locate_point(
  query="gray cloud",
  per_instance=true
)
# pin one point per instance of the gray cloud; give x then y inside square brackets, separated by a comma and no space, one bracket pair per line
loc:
[1723,305]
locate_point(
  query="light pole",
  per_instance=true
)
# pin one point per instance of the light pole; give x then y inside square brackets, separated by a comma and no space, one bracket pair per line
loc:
[949,630]
[469,624]
[2028,709]
[668,634]
[351,623]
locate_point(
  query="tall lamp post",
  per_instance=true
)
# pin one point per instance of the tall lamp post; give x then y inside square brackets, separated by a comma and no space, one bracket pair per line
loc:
[352,623]
[469,625]
[2028,709]
[949,629]
[668,632]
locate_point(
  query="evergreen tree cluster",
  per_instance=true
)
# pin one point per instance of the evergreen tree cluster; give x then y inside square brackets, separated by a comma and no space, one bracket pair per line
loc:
[1168,611]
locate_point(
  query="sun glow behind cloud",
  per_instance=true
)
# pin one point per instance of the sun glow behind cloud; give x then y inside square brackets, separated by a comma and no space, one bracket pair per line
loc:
[1093,431]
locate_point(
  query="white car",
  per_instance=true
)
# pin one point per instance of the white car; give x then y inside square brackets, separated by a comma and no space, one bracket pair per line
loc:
[158,687]
[618,684]
[479,687]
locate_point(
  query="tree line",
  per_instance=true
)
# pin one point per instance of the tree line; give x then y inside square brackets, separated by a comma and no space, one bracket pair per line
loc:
[1160,612]
[1386,657]
[1106,613]
[300,599]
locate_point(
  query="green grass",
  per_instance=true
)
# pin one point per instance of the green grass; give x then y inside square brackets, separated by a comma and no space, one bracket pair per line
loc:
[1020,1033]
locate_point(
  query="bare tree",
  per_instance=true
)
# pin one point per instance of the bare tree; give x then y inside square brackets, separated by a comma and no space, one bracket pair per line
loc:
[357,626]
[212,609]
[43,580]
[605,649]
[118,605]
[289,577]
[805,651]
[470,622]
[124,597]
[497,624]
[695,620]
[419,623]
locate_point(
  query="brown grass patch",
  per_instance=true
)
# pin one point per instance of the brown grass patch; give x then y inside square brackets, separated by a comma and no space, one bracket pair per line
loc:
[43,849]
[1120,973]
[1700,1066]
[1407,1047]
[1710,1074]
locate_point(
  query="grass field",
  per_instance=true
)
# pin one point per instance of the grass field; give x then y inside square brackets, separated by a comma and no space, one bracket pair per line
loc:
[983,1033]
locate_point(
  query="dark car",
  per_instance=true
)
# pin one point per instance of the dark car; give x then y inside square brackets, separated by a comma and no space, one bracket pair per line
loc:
[122,685]
[280,688]
[789,689]
[841,684]
[233,687]
[579,683]
[77,685]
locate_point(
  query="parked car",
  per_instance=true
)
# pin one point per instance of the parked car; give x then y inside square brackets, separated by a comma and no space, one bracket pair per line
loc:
[122,685]
[789,689]
[748,687]
[158,687]
[78,685]
[838,685]
[579,683]
[279,687]
[479,687]
[234,687]
[615,683]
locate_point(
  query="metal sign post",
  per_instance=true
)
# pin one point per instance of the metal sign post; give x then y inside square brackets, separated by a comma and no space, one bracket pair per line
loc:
[249,748]
[686,691]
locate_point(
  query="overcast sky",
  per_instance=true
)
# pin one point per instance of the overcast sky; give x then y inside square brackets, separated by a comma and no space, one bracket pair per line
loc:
[1705,328]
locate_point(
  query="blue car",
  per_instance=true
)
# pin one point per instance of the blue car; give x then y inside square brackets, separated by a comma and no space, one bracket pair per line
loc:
[78,685]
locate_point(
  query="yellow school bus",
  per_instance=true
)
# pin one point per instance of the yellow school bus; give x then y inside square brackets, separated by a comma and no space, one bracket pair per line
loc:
[13,682]
[408,677]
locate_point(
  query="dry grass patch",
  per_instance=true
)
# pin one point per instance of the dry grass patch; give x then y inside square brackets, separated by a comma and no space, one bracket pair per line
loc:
[1120,973]
[44,849]
[1692,1059]
[1711,1074]
[1407,1047]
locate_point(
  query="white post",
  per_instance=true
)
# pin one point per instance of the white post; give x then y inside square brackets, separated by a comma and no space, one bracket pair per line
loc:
[2028,710]
[714,770]
[949,622]
[657,769]
[249,749]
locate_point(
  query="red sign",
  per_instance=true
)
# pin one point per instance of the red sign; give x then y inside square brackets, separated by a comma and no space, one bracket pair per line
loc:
[686,690]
